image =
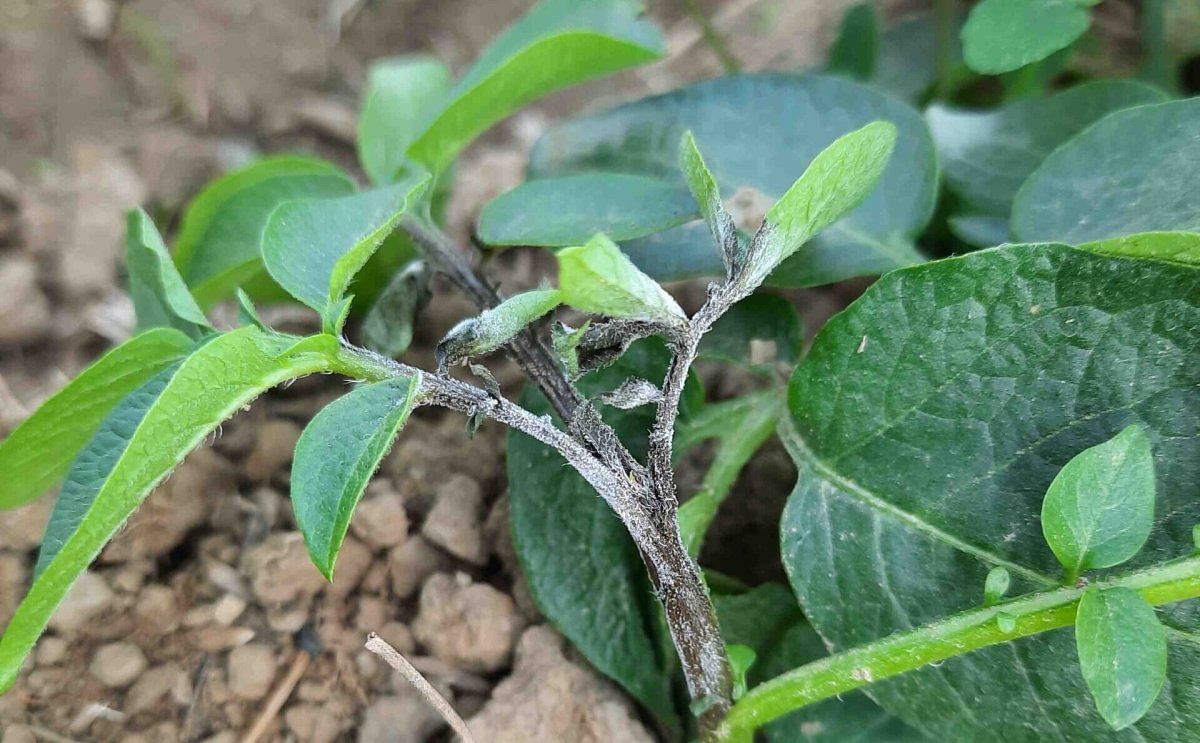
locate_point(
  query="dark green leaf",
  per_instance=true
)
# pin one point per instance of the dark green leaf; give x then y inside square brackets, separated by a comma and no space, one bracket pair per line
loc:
[388,325]
[569,210]
[1122,653]
[337,454]
[1099,508]
[1177,247]
[759,317]
[979,230]
[159,295]
[930,418]
[907,66]
[38,452]
[557,44]
[856,49]
[1130,172]
[219,243]
[400,95]
[598,278]
[987,155]
[1003,35]
[759,132]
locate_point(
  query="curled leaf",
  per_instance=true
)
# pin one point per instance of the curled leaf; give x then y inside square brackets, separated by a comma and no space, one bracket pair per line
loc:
[597,277]
[633,393]
[493,328]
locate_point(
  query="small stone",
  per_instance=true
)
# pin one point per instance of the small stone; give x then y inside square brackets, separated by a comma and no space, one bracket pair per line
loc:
[51,650]
[227,609]
[251,670]
[280,571]
[372,614]
[398,719]
[272,450]
[381,521]
[354,559]
[399,636]
[411,563]
[156,610]
[88,597]
[470,625]
[153,686]
[117,665]
[216,639]
[454,523]
[22,528]
[18,734]
[312,724]
[23,305]
[95,18]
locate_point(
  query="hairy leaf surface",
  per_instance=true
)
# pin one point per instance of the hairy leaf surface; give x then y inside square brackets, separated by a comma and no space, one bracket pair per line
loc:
[597,277]
[1178,247]
[160,297]
[1122,653]
[929,419]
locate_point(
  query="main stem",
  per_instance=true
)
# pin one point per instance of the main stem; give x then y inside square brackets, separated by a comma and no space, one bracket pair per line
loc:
[955,635]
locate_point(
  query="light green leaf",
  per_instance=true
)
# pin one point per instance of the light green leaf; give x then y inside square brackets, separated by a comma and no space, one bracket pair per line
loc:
[1178,247]
[38,452]
[707,196]
[1004,35]
[1099,509]
[568,210]
[557,44]
[399,96]
[493,328]
[838,179]
[996,585]
[337,454]
[387,327]
[987,155]
[314,248]
[741,658]
[855,51]
[929,419]
[213,383]
[159,295]
[598,278]
[247,312]
[1130,172]
[1122,653]
[219,243]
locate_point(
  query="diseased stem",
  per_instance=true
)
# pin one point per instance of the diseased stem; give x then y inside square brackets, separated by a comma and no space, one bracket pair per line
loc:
[396,660]
[946,638]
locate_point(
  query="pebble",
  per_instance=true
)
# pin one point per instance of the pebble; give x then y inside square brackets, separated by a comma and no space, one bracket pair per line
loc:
[470,625]
[251,670]
[411,563]
[51,650]
[272,449]
[153,686]
[280,570]
[88,597]
[23,305]
[118,664]
[157,610]
[380,521]
[455,522]
[312,724]
[404,718]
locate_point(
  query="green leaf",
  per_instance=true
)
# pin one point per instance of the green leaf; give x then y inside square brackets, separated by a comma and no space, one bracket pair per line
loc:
[247,312]
[219,243]
[996,585]
[1177,247]
[758,133]
[987,155]
[314,248]
[979,230]
[337,454]
[1130,172]
[707,196]
[741,658]
[213,383]
[160,297]
[583,570]
[838,179]
[399,96]
[493,328]
[759,317]
[928,420]
[906,67]
[1099,508]
[1122,653]
[557,44]
[598,278]
[855,51]
[569,210]
[38,452]
[1004,35]
[387,327]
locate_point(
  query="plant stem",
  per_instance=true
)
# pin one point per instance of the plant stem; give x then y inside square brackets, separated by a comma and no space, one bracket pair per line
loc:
[946,638]
[712,38]
[944,14]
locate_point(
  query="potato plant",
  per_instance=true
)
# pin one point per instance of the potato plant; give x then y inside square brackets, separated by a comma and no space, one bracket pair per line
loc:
[999,440]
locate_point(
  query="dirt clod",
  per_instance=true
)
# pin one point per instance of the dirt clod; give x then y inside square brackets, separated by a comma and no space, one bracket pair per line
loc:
[470,625]
[455,522]
[251,670]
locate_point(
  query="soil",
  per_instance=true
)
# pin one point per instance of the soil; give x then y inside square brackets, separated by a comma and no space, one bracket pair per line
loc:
[206,600]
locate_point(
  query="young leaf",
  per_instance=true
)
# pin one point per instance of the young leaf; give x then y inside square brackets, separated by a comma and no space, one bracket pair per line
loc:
[37,453]
[633,393]
[1004,35]
[219,243]
[247,313]
[214,382]
[160,297]
[493,328]
[1099,509]
[1130,172]
[598,278]
[996,585]
[565,341]
[337,454]
[855,51]
[388,325]
[314,248]
[1122,653]
[1177,247]
[399,96]
[557,44]
[741,657]
[707,196]
[840,178]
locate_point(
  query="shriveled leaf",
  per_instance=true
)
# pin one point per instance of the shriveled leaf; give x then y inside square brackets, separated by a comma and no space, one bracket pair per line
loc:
[1004,35]
[1178,247]
[598,278]
[1099,508]
[924,459]
[707,196]
[314,248]
[160,297]
[1130,172]
[388,325]
[400,94]
[633,393]
[987,155]
[38,452]
[493,328]
[855,51]
[219,243]
[337,454]
[557,44]
[1122,653]
[758,133]
[213,383]
[569,210]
